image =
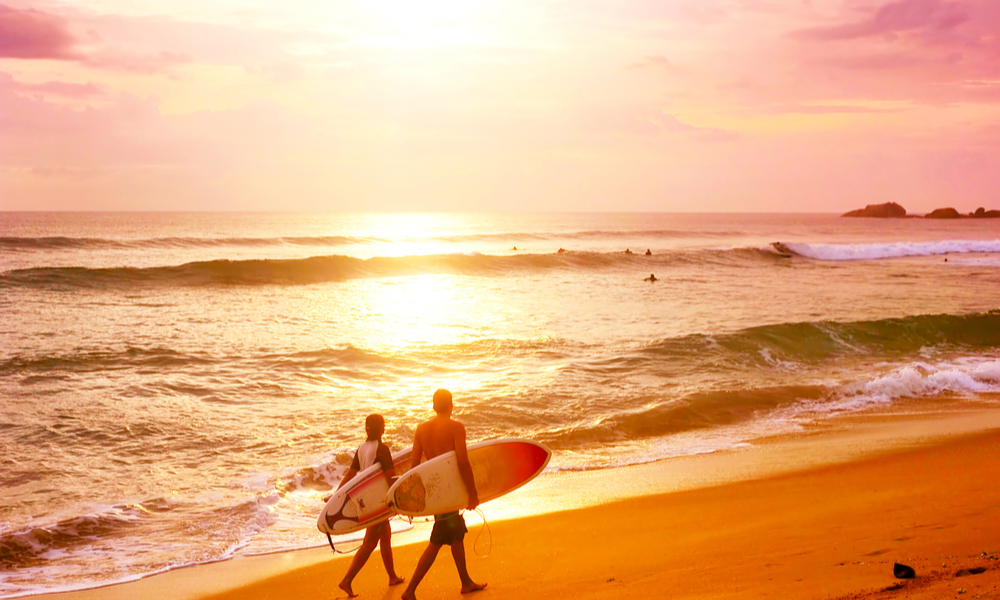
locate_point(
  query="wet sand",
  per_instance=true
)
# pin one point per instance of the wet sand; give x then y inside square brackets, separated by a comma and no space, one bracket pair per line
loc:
[828,531]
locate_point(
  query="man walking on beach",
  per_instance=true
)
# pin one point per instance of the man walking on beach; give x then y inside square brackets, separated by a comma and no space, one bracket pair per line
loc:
[434,438]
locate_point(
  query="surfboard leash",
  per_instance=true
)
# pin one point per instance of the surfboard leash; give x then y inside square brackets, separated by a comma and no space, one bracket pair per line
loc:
[334,548]
[486,527]
[384,524]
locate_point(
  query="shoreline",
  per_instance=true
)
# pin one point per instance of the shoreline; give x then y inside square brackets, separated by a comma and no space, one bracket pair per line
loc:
[558,499]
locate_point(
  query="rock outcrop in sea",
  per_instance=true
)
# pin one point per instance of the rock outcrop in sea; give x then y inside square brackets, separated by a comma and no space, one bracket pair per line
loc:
[943,213]
[951,213]
[891,210]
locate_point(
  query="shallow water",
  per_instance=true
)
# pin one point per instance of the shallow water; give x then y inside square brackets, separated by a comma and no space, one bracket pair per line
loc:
[183,387]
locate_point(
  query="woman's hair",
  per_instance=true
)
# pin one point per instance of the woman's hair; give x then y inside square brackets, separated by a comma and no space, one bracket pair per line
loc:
[375,425]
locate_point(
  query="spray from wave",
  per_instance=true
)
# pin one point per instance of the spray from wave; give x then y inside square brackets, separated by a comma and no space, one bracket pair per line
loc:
[841,252]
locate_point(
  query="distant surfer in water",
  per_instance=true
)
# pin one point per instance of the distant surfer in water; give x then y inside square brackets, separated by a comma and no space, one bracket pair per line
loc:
[370,452]
[651,278]
[435,437]
[649,252]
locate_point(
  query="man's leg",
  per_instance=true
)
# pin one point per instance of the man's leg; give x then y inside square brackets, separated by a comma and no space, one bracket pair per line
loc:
[366,549]
[423,565]
[458,553]
[385,547]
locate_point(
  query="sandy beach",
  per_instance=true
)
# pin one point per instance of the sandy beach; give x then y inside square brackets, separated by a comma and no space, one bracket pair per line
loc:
[826,531]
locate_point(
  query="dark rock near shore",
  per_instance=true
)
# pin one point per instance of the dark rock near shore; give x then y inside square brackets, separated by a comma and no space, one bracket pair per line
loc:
[889,210]
[943,213]
[982,213]
[951,213]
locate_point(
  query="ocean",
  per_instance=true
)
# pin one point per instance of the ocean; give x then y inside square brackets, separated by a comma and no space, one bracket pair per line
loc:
[180,388]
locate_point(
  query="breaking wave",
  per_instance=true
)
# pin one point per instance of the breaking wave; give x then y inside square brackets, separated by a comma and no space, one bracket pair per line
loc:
[888,250]
[321,269]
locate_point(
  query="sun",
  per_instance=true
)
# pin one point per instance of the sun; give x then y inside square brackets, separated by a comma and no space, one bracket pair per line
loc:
[428,23]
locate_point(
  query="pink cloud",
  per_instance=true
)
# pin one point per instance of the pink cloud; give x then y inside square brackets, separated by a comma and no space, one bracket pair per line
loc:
[34,34]
[925,51]
[284,72]
[141,63]
[824,109]
[929,16]
[54,88]
[660,63]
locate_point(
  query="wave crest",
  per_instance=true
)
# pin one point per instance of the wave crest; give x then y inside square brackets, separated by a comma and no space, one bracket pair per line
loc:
[841,252]
[321,269]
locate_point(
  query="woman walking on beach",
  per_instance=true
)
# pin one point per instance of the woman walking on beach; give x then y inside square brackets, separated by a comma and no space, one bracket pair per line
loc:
[370,452]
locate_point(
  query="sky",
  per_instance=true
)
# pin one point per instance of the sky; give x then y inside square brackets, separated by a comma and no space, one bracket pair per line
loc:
[499,105]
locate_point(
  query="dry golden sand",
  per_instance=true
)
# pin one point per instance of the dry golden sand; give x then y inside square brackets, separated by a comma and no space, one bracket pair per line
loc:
[828,532]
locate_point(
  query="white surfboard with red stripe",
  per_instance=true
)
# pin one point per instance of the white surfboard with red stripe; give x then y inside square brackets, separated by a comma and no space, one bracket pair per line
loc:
[361,503]
[498,467]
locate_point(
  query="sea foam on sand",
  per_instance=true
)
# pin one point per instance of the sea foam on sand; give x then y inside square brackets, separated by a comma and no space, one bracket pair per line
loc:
[787,519]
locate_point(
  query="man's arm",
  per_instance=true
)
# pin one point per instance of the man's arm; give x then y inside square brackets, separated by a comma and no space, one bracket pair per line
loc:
[464,468]
[417,449]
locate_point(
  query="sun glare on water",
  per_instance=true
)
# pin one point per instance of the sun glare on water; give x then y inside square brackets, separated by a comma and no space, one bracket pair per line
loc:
[417,310]
[430,313]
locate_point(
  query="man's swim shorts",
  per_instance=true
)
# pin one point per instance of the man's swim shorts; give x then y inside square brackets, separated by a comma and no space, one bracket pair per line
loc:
[448,529]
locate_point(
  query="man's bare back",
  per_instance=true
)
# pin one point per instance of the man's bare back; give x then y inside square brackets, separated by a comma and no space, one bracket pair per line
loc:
[439,435]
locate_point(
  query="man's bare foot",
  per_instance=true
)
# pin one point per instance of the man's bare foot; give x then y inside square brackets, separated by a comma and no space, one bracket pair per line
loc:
[408,596]
[347,588]
[474,587]
[396,580]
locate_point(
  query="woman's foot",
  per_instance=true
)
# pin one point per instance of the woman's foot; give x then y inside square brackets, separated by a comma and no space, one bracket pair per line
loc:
[347,588]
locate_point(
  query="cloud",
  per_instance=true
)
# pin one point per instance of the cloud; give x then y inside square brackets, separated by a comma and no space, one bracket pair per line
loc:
[34,34]
[142,63]
[921,16]
[53,88]
[660,63]
[920,51]
[282,72]
[826,109]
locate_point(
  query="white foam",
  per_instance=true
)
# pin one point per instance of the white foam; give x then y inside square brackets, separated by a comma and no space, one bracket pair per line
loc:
[922,379]
[765,353]
[893,250]
[963,377]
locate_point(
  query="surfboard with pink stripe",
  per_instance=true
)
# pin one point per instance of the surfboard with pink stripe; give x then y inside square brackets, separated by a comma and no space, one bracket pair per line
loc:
[498,467]
[361,503]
